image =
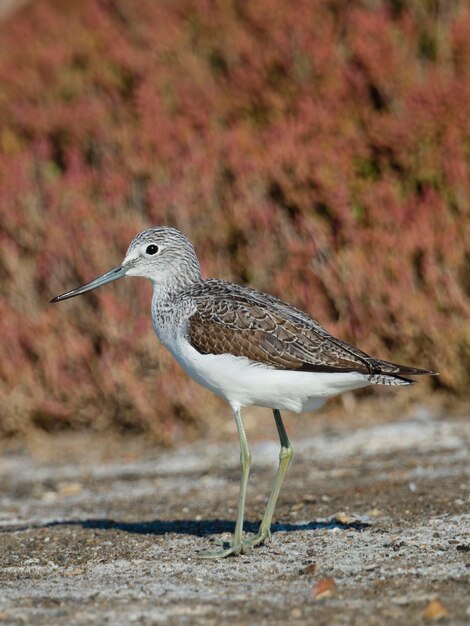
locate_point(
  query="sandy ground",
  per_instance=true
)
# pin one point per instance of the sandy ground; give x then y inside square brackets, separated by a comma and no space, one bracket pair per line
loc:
[102,538]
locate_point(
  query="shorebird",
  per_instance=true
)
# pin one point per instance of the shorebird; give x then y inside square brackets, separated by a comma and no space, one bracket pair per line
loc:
[247,347]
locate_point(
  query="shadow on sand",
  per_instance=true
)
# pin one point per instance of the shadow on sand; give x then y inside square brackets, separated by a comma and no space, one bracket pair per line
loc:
[199,528]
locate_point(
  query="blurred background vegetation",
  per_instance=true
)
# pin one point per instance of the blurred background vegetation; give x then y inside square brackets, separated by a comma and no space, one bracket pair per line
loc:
[315,149]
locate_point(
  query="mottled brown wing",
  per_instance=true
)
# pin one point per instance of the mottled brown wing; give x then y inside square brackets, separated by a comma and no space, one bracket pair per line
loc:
[243,328]
[234,319]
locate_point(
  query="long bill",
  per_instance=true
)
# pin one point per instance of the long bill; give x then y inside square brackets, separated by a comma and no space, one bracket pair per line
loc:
[117,272]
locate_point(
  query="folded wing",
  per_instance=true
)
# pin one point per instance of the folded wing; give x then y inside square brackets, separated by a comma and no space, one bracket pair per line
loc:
[230,319]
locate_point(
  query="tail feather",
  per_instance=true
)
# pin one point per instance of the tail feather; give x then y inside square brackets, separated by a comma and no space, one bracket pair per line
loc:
[394,374]
[386,379]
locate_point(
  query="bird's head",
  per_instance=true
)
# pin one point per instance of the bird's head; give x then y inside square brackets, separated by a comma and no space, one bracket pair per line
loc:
[162,254]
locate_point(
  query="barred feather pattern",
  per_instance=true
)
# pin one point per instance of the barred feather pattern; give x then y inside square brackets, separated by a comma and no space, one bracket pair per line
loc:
[233,319]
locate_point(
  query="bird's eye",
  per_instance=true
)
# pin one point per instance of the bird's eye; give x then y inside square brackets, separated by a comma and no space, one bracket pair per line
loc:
[151,249]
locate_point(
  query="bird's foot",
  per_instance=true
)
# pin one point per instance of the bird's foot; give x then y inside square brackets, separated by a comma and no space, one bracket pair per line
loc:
[236,548]
[220,553]
[256,540]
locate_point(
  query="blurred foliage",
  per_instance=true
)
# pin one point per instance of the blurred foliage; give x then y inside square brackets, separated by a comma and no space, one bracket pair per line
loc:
[317,149]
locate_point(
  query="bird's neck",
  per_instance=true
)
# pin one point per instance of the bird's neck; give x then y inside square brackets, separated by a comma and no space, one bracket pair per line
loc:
[166,314]
[165,292]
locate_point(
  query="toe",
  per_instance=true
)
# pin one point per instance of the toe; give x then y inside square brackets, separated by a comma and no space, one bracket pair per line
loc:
[219,554]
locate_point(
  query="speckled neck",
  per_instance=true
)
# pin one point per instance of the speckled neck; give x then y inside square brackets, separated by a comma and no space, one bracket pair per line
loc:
[166,291]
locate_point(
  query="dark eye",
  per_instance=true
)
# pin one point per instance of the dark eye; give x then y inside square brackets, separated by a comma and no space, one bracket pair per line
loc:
[151,249]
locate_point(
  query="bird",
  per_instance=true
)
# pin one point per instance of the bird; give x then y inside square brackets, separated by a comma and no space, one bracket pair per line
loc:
[247,347]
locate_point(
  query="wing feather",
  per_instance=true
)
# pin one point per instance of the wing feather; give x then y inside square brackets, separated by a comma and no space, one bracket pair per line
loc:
[231,319]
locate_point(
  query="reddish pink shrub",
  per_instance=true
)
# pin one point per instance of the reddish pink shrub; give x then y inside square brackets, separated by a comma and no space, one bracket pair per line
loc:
[315,149]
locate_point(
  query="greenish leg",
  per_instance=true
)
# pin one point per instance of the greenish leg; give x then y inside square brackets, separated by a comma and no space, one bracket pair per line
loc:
[285,457]
[245,460]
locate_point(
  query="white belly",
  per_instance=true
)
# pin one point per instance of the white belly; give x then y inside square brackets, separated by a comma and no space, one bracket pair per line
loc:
[244,383]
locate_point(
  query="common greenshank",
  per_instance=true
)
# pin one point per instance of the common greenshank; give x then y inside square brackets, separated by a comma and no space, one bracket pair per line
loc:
[248,347]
